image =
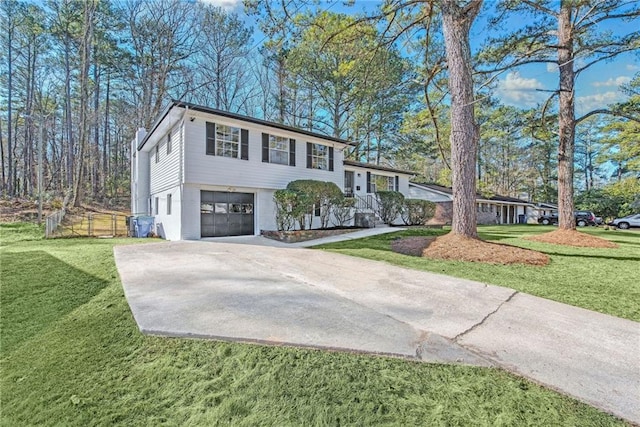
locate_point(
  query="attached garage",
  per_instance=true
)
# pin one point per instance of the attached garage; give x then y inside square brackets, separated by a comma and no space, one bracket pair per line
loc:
[226,214]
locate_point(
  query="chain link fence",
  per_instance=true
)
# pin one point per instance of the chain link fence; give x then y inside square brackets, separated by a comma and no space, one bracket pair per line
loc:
[90,224]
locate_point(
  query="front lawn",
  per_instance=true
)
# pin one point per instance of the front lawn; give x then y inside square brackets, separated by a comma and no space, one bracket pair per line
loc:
[71,355]
[604,280]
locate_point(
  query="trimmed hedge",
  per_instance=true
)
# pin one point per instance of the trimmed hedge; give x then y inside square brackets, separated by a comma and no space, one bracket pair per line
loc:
[417,211]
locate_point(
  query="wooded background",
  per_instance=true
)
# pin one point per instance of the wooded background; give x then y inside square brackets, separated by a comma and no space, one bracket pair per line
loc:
[78,77]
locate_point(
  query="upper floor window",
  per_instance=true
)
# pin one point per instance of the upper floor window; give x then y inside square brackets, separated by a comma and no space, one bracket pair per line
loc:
[227,141]
[278,149]
[157,152]
[169,147]
[319,156]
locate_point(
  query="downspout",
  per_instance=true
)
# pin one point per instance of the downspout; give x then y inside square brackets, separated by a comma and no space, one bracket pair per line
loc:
[183,130]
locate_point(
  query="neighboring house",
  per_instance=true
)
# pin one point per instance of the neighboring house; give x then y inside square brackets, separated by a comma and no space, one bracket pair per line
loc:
[543,209]
[491,210]
[203,172]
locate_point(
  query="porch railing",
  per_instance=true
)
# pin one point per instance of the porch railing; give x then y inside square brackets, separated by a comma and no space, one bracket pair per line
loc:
[367,203]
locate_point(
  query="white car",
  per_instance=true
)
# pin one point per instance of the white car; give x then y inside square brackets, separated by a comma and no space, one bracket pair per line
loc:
[628,221]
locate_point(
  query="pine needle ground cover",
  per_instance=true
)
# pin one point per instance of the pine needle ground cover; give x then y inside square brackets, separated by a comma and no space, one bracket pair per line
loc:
[599,279]
[71,355]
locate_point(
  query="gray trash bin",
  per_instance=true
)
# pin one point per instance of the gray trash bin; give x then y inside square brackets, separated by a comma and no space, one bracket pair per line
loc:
[142,225]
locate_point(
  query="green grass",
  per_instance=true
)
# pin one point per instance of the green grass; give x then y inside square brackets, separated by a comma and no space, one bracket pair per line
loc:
[71,355]
[604,280]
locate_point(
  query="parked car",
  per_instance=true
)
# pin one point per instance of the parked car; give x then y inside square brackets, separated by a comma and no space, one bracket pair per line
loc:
[628,221]
[583,218]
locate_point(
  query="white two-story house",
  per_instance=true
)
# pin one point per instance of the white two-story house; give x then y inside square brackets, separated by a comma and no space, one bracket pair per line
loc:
[203,172]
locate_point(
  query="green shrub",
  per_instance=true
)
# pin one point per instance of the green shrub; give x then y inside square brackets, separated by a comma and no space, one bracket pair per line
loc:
[389,205]
[342,210]
[417,212]
[286,209]
[310,194]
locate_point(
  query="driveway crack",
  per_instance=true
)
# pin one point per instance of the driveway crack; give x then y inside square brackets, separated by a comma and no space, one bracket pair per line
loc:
[484,319]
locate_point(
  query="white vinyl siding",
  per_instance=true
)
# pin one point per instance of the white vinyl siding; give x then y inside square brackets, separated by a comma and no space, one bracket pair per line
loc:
[168,216]
[165,173]
[230,174]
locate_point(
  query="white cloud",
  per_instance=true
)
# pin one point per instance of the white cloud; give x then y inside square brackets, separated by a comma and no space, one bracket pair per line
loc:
[225,4]
[519,91]
[552,67]
[632,67]
[588,103]
[617,82]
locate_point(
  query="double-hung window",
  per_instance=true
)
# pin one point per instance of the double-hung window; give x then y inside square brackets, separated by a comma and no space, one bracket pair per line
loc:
[169,143]
[278,149]
[227,141]
[319,157]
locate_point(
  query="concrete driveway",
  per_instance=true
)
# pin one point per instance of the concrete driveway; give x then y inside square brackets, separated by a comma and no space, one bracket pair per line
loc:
[312,298]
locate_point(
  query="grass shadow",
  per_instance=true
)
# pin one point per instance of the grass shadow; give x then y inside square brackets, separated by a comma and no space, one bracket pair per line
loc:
[581,255]
[38,289]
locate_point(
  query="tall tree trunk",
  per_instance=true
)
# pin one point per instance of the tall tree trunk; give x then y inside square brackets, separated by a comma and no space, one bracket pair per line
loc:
[566,119]
[105,135]
[98,182]
[2,159]
[10,171]
[67,112]
[456,23]
[87,40]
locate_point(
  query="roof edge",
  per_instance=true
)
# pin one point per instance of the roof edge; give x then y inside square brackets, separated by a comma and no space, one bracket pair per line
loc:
[236,116]
[376,167]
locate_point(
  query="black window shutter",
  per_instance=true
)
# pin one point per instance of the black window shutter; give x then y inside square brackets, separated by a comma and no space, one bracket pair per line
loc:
[368,182]
[211,139]
[397,183]
[330,158]
[244,144]
[309,162]
[265,147]
[292,152]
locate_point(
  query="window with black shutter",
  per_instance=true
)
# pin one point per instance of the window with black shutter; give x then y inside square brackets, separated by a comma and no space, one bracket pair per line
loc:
[292,152]
[331,158]
[265,147]
[211,139]
[244,144]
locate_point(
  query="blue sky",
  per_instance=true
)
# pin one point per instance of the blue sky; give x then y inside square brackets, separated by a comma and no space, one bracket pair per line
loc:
[595,88]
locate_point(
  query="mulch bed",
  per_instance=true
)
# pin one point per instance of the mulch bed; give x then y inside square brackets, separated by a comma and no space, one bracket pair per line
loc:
[572,238]
[458,248]
[304,235]
[411,245]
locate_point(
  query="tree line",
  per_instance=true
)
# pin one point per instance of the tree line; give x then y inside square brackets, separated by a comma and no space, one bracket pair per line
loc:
[80,76]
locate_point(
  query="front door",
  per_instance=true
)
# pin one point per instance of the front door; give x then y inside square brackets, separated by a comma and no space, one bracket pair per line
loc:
[348,183]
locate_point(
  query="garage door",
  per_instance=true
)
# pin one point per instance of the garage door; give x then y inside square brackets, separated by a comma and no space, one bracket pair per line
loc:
[226,214]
